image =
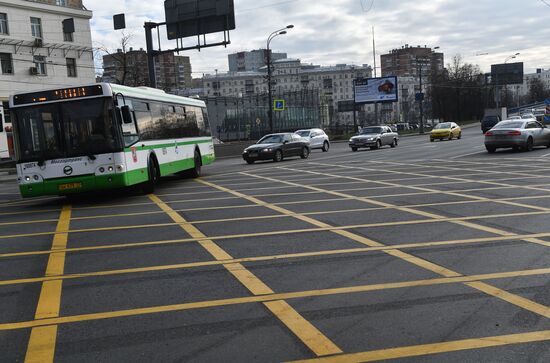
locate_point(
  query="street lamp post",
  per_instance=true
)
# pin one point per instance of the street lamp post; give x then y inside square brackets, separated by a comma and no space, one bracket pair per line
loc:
[505,85]
[269,72]
[419,65]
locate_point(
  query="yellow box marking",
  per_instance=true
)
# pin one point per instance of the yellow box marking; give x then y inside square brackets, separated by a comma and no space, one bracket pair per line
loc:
[435,348]
[501,294]
[269,297]
[306,332]
[43,339]
[41,347]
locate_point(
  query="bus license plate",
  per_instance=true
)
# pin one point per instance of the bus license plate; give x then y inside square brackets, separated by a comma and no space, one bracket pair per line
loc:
[69,186]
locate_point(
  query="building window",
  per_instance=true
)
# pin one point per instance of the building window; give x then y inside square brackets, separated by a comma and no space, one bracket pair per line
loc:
[36,27]
[6,63]
[68,37]
[61,2]
[4,23]
[40,64]
[71,67]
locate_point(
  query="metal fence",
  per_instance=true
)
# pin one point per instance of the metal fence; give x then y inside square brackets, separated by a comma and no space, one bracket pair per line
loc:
[247,117]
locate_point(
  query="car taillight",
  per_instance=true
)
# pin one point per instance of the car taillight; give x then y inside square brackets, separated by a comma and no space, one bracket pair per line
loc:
[488,133]
[514,133]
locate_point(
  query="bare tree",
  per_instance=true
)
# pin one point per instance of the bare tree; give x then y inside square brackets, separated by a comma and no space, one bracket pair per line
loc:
[123,67]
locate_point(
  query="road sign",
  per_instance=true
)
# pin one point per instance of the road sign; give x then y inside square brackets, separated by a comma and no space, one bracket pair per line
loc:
[278,105]
[547,113]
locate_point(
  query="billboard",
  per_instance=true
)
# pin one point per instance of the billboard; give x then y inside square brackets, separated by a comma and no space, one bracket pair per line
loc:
[187,18]
[508,73]
[372,90]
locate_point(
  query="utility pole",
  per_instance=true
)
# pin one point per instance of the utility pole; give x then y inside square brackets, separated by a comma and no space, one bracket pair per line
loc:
[269,92]
[269,72]
[375,75]
[421,127]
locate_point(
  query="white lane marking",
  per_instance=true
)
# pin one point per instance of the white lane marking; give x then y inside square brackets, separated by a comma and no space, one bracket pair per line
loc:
[480,151]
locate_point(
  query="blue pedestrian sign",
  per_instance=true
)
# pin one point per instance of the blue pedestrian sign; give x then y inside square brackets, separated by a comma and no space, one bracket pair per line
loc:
[279,105]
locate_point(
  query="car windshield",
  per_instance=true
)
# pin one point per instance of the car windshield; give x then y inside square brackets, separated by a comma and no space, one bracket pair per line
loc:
[66,129]
[509,125]
[445,125]
[371,130]
[271,139]
[302,133]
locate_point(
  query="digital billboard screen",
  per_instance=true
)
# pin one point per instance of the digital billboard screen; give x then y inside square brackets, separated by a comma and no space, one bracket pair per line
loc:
[507,73]
[372,90]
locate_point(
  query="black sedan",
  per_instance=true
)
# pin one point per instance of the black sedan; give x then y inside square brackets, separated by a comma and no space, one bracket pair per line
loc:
[276,147]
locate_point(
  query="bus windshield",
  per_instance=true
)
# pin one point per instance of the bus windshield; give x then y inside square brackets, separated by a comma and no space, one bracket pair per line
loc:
[66,129]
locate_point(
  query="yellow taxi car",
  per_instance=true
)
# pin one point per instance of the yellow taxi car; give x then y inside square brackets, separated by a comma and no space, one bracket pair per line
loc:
[446,130]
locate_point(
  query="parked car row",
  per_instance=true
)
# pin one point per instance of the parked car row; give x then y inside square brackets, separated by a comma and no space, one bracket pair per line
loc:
[279,146]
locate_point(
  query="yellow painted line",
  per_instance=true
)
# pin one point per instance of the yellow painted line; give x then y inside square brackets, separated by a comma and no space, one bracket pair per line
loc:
[16,223]
[270,297]
[41,346]
[302,329]
[505,296]
[462,222]
[36,211]
[269,258]
[435,348]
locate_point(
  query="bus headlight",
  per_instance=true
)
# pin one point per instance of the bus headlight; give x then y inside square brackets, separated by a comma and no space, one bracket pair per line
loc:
[119,168]
[110,169]
[27,178]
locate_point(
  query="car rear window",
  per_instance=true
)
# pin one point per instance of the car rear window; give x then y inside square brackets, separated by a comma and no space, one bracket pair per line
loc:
[509,125]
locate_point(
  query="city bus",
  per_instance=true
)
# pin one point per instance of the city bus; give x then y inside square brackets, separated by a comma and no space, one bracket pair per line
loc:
[106,136]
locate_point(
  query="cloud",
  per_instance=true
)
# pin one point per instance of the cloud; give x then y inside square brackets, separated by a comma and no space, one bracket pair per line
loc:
[339,31]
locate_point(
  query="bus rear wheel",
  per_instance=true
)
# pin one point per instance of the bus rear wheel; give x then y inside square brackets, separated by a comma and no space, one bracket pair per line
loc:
[196,171]
[153,172]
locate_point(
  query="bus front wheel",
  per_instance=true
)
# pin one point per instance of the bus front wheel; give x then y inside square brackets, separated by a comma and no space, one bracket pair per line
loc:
[153,172]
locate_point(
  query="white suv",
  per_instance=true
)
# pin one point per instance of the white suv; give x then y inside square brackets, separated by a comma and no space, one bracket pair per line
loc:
[316,137]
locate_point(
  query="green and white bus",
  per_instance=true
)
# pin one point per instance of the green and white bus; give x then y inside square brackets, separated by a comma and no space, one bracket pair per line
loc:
[106,136]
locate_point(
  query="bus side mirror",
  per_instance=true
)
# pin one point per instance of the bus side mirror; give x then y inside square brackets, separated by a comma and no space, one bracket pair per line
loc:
[126,114]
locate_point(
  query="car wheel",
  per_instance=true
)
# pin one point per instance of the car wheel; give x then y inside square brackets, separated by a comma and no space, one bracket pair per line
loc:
[491,149]
[278,156]
[393,143]
[250,161]
[152,171]
[377,146]
[326,146]
[529,144]
[450,136]
[459,136]
[305,153]
[354,149]
[432,140]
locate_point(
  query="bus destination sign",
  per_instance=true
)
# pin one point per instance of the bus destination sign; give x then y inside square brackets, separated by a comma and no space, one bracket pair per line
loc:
[57,95]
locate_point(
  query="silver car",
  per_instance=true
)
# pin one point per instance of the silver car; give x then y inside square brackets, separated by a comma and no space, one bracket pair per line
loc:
[517,134]
[374,137]
[317,138]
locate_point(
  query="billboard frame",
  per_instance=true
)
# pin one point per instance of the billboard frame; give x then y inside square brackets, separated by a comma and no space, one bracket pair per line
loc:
[368,82]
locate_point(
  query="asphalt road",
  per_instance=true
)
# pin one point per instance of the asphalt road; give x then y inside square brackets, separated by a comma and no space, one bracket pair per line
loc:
[429,252]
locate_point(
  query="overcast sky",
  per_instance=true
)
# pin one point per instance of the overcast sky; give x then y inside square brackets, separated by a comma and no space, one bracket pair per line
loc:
[339,31]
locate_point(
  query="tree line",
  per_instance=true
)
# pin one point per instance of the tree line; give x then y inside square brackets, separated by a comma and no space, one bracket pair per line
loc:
[462,92]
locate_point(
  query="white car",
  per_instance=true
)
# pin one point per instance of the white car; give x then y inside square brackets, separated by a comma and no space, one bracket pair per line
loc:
[317,138]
